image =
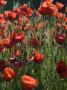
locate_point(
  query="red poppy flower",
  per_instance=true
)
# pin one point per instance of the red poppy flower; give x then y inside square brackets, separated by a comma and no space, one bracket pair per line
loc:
[48,8]
[65,19]
[64,26]
[20,37]
[23,23]
[60,15]
[9,73]
[2,2]
[1,16]
[40,25]
[17,37]
[23,6]
[28,82]
[61,69]
[12,39]
[2,19]
[25,10]
[6,42]
[10,14]
[34,42]
[3,28]
[17,10]
[59,5]
[60,39]
[38,57]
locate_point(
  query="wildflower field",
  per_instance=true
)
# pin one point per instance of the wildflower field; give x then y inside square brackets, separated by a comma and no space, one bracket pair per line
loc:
[33,47]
